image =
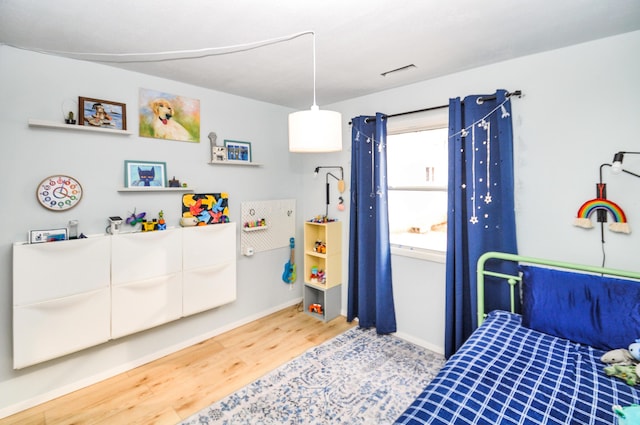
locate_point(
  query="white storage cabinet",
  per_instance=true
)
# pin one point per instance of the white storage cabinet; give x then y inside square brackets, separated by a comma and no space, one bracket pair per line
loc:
[146,280]
[61,298]
[209,267]
[75,294]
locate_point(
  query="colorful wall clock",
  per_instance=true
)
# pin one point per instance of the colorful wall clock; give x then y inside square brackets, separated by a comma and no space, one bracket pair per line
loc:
[59,192]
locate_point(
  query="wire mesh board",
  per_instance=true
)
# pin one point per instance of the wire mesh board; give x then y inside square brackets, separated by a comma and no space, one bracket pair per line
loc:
[267,224]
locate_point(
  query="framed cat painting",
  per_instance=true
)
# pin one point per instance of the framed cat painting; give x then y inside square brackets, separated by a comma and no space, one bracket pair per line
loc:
[145,174]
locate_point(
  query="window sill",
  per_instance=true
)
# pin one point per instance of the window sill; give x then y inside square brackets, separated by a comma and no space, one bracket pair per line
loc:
[421,254]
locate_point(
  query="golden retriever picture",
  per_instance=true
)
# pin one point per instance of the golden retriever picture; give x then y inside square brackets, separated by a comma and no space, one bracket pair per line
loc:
[167,116]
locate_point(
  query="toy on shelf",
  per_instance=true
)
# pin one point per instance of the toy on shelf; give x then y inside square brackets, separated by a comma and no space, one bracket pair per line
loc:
[317,276]
[134,218]
[257,223]
[314,275]
[320,247]
[162,225]
[70,119]
[149,225]
[322,219]
[188,221]
[315,308]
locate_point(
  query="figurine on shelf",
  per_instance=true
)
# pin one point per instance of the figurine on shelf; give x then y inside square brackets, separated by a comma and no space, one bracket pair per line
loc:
[313,278]
[174,183]
[315,308]
[134,218]
[322,219]
[162,225]
[320,247]
[322,277]
[70,118]
[149,226]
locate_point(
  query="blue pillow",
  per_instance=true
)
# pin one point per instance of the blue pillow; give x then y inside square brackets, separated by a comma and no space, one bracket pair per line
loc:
[602,312]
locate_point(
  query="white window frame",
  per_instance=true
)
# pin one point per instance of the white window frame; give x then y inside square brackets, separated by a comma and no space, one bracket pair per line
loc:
[426,120]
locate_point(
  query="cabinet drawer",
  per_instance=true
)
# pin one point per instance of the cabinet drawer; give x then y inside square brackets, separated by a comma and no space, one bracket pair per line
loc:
[208,287]
[145,255]
[54,328]
[54,270]
[144,304]
[208,245]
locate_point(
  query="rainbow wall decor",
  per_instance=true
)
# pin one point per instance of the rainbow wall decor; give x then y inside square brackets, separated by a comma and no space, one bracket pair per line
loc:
[619,224]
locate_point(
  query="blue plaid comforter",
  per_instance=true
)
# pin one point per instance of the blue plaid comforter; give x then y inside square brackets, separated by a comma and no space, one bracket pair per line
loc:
[508,374]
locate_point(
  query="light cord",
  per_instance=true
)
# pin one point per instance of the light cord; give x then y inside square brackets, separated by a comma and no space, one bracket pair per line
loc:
[314,70]
[174,54]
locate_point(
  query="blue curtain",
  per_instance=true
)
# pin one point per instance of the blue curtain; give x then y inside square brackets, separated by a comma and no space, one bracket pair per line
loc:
[370,289]
[480,207]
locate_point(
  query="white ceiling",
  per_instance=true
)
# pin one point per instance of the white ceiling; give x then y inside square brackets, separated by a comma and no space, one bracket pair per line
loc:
[356,40]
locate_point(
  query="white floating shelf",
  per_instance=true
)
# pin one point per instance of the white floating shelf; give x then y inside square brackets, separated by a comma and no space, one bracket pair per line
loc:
[75,127]
[253,229]
[230,162]
[155,189]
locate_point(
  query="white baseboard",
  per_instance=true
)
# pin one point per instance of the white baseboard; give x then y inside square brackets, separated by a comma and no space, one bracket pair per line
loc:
[417,341]
[90,380]
[422,343]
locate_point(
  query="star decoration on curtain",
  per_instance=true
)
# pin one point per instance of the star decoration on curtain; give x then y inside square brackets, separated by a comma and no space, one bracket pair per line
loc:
[479,165]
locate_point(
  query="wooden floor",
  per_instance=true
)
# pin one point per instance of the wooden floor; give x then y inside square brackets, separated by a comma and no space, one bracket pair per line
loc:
[176,386]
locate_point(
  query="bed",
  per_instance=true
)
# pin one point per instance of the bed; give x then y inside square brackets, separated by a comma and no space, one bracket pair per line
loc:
[541,366]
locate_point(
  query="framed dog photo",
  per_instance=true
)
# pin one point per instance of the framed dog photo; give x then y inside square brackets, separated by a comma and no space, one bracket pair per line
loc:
[169,116]
[102,113]
[145,174]
[238,151]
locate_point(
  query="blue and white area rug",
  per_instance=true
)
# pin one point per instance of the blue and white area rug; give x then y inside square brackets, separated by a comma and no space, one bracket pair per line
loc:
[358,377]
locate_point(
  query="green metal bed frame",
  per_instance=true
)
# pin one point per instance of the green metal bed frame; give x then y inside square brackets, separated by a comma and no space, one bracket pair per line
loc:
[513,280]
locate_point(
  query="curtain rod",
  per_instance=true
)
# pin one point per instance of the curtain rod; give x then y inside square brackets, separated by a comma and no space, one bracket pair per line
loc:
[433,108]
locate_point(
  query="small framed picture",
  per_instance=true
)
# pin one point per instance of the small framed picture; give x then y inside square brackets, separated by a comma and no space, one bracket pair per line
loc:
[49,235]
[218,153]
[238,151]
[145,174]
[102,113]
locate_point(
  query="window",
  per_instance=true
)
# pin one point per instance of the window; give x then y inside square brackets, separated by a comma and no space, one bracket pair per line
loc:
[417,172]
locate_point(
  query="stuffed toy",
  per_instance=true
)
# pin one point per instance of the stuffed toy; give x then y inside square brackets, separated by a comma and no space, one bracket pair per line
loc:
[628,373]
[623,363]
[634,350]
[620,356]
[629,415]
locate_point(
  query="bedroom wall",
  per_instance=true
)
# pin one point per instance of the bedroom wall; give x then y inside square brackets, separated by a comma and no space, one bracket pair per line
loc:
[34,85]
[579,108]
[577,111]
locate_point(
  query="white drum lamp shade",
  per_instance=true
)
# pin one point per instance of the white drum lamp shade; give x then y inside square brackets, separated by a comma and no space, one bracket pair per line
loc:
[315,131]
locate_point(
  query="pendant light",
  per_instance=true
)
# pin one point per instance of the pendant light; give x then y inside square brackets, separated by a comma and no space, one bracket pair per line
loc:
[315,130]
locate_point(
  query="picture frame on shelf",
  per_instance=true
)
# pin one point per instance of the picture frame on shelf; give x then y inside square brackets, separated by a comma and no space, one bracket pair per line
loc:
[238,151]
[150,174]
[49,235]
[218,154]
[102,113]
